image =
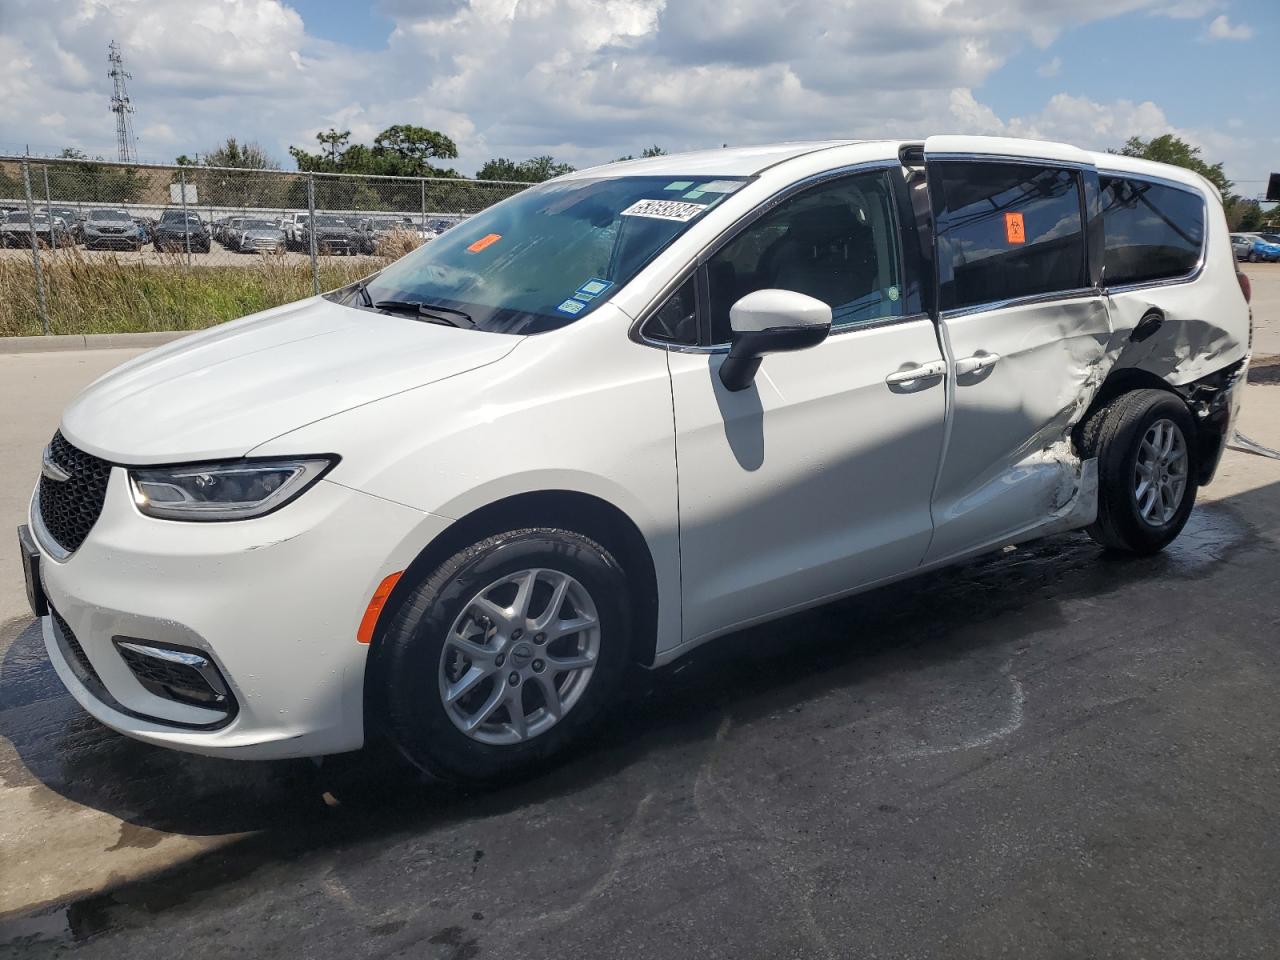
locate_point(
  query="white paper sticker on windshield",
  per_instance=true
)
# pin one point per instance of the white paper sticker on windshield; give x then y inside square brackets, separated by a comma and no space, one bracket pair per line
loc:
[664,210]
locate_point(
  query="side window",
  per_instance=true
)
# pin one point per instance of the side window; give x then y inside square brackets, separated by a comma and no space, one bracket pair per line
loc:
[1153,232]
[676,321]
[1006,230]
[836,242]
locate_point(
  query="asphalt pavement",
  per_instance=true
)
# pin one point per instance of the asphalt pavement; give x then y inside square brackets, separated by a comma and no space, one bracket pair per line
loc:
[1045,753]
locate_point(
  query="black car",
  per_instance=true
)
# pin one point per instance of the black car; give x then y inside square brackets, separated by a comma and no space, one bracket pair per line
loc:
[172,230]
[333,234]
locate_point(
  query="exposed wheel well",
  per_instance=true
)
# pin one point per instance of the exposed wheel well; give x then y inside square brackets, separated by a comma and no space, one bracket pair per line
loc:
[583,513]
[1209,419]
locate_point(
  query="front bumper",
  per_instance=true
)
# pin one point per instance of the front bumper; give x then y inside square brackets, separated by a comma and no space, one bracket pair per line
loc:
[273,602]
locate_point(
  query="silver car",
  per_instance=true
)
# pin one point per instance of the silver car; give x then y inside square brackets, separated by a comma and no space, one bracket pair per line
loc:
[258,236]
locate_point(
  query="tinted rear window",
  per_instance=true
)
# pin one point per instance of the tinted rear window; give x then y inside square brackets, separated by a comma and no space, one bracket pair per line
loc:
[1006,230]
[1154,232]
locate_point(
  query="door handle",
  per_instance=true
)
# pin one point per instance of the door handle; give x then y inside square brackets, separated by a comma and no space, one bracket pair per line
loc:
[977,363]
[928,371]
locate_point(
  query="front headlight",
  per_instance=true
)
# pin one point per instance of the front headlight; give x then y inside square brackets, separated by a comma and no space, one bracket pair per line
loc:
[237,490]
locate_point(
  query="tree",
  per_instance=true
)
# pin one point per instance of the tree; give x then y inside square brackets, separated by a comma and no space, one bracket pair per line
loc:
[653,151]
[1244,214]
[247,156]
[94,181]
[533,170]
[401,150]
[335,141]
[1168,148]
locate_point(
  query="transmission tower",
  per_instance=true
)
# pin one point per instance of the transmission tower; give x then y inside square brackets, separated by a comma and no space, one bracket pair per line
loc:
[126,146]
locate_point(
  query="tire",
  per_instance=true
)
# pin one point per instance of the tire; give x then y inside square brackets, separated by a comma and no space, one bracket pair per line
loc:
[1120,434]
[1253,256]
[415,662]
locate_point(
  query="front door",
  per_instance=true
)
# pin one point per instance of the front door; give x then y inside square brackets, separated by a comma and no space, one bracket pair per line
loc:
[816,479]
[1018,247]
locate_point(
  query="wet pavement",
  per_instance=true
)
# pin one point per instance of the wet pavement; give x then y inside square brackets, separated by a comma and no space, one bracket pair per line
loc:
[1047,752]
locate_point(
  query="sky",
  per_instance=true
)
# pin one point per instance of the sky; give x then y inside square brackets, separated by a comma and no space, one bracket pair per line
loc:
[589,80]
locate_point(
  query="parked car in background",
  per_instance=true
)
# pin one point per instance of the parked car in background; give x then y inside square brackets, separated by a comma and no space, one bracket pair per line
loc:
[333,235]
[258,236]
[442,505]
[1252,247]
[1271,238]
[373,230]
[72,219]
[18,228]
[112,230]
[175,230]
[293,225]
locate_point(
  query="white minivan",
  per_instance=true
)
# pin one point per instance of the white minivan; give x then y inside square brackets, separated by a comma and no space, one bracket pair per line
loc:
[617,415]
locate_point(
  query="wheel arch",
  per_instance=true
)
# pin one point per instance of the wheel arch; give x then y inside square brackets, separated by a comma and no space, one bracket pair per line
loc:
[1207,401]
[583,513]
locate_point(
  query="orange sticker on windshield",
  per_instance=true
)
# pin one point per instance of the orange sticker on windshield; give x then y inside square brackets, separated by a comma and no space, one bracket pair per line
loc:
[488,240]
[1014,229]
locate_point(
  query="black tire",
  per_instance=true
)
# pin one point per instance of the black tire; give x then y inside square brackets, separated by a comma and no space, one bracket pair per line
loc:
[1253,256]
[405,682]
[1114,434]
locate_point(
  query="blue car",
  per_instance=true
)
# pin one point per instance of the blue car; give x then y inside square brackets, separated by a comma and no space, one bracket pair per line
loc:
[1254,248]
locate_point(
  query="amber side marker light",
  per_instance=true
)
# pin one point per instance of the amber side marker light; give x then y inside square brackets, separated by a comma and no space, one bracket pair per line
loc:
[374,610]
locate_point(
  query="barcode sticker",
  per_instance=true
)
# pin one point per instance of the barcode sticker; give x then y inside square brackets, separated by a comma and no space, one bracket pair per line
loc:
[664,210]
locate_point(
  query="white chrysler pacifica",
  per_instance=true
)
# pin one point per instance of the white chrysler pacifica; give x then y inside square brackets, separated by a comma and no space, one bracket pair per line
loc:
[617,415]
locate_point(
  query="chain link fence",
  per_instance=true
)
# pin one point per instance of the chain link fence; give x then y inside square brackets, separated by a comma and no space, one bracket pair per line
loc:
[92,246]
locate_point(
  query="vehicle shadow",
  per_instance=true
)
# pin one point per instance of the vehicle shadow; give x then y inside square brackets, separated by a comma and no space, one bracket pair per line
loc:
[993,603]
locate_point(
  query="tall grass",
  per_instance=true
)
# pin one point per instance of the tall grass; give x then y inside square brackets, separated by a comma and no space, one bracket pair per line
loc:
[91,295]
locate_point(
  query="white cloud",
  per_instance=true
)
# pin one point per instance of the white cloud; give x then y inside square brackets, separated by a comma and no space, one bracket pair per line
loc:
[584,80]
[1223,29]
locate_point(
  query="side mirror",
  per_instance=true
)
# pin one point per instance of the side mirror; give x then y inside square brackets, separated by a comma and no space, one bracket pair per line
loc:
[771,321]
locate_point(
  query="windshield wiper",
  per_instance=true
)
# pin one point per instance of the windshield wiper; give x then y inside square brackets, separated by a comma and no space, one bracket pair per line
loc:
[428,311]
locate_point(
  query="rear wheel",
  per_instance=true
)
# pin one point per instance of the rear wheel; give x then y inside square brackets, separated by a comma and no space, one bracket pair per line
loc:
[1146,470]
[505,655]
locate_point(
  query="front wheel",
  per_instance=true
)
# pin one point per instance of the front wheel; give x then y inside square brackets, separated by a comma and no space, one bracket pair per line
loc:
[506,654]
[1144,442]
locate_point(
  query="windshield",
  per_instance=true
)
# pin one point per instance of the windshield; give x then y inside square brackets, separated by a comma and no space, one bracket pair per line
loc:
[553,253]
[23,218]
[108,215]
[387,225]
[330,222]
[257,225]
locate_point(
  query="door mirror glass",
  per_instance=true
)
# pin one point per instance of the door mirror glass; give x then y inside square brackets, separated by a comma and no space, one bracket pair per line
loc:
[771,321]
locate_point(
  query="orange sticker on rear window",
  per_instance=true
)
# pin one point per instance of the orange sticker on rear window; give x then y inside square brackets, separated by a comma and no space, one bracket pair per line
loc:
[488,240]
[1014,229]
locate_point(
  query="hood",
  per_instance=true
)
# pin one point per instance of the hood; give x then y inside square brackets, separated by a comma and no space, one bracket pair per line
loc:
[220,393]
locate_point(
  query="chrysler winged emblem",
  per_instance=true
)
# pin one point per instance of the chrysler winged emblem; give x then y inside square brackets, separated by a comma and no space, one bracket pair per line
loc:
[51,469]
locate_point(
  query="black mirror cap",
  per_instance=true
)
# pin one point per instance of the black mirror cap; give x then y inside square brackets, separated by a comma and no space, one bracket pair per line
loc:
[739,368]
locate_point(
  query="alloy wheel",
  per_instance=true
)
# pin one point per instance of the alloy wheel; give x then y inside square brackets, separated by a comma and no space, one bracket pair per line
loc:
[519,656]
[1160,475]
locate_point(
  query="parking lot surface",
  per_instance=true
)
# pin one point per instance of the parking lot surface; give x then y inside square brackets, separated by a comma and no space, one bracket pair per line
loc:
[1047,752]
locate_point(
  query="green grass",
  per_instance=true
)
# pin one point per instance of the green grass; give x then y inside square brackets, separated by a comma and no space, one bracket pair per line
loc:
[110,296]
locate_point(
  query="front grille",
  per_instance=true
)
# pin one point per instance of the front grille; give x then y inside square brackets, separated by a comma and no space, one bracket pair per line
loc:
[70,508]
[80,664]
